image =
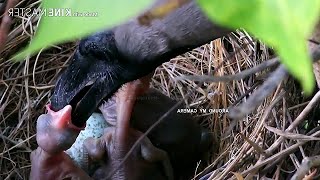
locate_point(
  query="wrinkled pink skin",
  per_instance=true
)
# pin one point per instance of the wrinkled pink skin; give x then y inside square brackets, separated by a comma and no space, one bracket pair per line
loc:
[146,161]
[55,131]
[55,134]
[54,166]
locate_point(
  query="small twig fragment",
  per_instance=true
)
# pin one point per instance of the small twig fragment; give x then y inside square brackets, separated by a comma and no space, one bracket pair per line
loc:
[160,11]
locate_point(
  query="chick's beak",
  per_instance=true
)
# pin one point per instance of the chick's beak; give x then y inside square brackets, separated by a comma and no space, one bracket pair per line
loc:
[55,131]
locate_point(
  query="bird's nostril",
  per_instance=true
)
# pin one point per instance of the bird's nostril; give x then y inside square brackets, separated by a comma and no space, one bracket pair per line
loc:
[100,46]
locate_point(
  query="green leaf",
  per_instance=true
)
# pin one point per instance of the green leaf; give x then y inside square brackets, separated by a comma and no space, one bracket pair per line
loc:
[283,24]
[305,124]
[59,29]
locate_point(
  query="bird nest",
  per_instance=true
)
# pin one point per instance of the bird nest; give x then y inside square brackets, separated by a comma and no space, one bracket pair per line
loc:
[258,146]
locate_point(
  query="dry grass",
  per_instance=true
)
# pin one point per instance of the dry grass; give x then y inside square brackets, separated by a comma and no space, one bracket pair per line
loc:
[253,148]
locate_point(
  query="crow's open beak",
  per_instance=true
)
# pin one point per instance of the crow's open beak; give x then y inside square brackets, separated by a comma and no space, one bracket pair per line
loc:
[83,85]
[90,79]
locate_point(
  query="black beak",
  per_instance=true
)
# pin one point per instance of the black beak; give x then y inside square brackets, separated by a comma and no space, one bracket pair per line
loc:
[91,100]
[91,77]
[84,85]
[95,73]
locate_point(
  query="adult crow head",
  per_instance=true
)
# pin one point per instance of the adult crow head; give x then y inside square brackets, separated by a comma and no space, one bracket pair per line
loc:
[106,60]
[97,71]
